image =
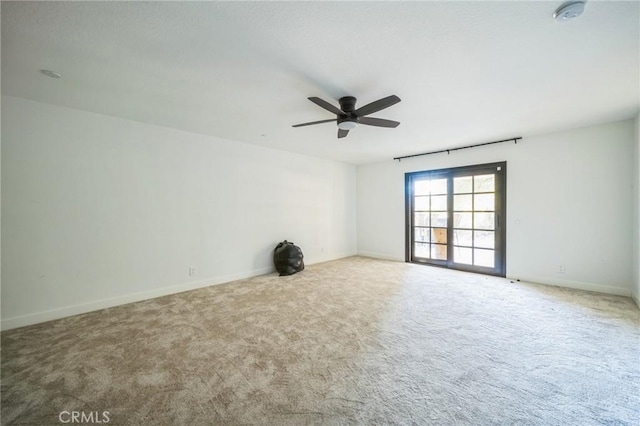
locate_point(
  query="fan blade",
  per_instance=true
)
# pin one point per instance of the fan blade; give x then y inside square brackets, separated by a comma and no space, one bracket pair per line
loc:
[379,122]
[314,122]
[326,105]
[342,133]
[378,105]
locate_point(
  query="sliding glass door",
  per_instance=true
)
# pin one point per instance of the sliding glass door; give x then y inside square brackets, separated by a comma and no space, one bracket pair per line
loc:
[456,218]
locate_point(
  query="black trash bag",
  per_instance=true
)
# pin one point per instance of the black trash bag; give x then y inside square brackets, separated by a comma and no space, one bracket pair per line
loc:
[288,258]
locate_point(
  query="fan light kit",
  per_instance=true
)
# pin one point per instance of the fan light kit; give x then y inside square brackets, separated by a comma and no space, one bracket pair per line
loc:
[348,117]
[347,125]
[569,11]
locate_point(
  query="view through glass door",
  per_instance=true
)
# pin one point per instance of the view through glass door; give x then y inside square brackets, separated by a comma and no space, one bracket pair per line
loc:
[456,218]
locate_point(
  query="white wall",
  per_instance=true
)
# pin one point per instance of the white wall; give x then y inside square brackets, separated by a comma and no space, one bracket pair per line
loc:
[568,203]
[636,213]
[99,211]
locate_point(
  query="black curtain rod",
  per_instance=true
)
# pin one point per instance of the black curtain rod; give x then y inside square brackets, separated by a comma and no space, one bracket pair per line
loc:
[448,151]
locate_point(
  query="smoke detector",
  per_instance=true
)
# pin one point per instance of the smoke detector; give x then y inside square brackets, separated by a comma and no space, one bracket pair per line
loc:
[568,11]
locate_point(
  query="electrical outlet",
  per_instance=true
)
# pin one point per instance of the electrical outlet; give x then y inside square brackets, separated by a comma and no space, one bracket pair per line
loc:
[192,271]
[561,269]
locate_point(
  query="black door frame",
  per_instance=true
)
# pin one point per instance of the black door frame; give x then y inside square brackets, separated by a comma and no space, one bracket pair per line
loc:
[500,169]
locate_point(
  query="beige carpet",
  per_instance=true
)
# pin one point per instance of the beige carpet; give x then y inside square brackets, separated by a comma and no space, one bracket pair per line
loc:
[354,341]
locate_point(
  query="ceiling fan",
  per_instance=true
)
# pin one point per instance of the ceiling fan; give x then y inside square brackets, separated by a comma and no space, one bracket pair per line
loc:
[348,117]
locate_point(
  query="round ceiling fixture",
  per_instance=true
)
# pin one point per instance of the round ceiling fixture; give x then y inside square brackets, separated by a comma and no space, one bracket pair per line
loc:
[347,125]
[568,11]
[51,74]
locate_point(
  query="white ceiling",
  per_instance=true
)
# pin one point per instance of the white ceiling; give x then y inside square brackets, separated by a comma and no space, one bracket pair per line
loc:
[467,72]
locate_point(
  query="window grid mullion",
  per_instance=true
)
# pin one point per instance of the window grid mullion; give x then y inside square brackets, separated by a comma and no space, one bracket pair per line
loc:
[473,219]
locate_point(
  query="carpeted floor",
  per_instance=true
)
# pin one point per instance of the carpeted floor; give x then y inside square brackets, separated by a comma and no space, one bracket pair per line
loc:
[354,341]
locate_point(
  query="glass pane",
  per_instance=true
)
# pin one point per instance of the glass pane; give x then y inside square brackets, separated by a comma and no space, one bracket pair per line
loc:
[421,187]
[421,219]
[462,238]
[421,234]
[462,202]
[484,202]
[483,258]
[484,183]
[438,186]
[439,235]
[421,250]
[484,239]
[438,251]
[461,220]
[462,184]
[483,220]
[439,202]
[439,220]
[421,203]
[462,255]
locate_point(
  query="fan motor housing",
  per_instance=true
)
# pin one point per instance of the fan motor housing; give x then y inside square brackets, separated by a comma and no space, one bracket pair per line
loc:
[347,104]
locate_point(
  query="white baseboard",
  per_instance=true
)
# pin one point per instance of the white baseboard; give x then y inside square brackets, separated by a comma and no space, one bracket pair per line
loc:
[383,256]
[328,258]
[578,285]
[83,308]
[39,317]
